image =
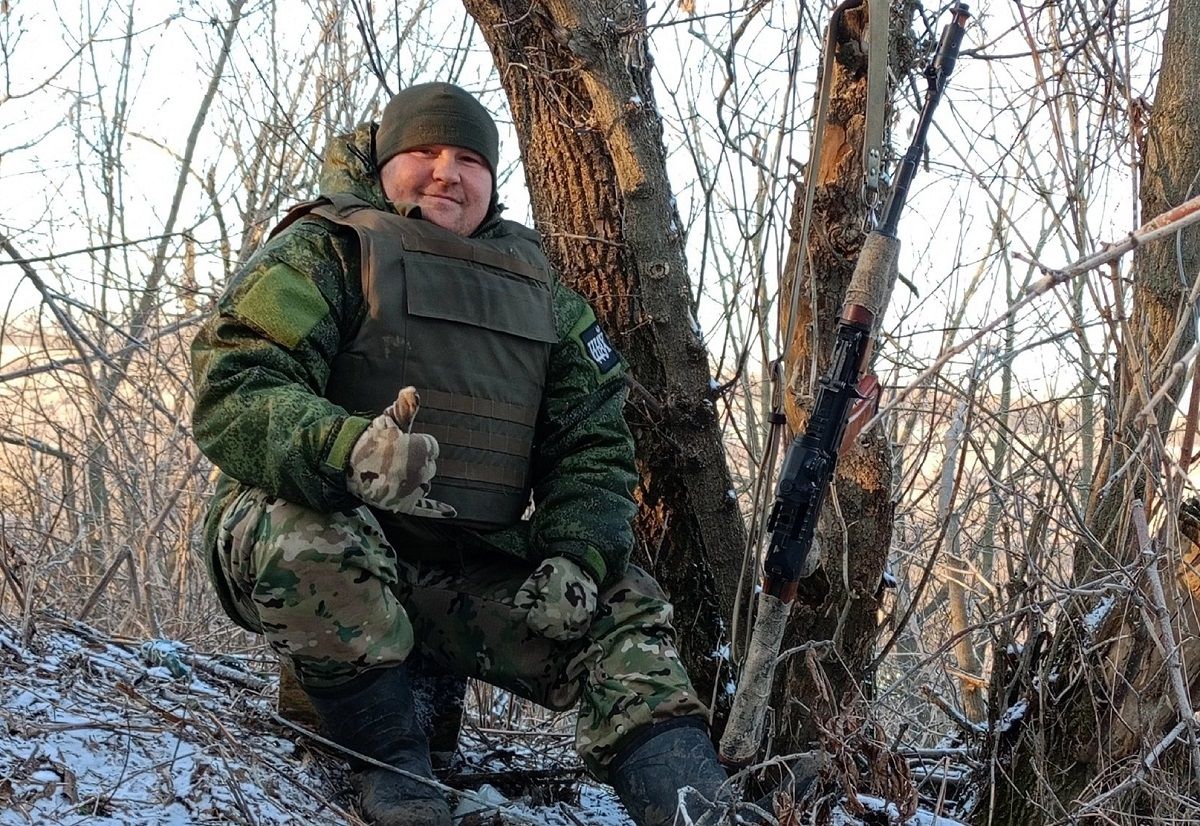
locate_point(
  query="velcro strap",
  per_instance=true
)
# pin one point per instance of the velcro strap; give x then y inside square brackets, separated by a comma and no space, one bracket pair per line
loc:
[522,414]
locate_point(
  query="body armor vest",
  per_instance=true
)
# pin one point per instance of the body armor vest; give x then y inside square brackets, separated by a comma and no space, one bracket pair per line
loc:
[468,322]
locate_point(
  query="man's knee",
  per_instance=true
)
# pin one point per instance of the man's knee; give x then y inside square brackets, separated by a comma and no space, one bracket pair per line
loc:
[322,586]
[635,599]
[638,678]
[263,536]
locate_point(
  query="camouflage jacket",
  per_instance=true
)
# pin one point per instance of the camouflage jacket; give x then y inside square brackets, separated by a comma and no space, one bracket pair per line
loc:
[261,362]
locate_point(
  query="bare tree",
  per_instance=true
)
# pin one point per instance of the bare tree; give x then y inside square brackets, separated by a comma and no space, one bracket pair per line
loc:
[1112,689]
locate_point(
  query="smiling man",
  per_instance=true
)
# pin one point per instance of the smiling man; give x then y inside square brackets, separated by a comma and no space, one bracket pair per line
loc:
[442,161]
[386,386]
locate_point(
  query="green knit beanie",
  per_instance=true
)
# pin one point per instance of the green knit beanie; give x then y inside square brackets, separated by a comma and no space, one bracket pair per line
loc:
[436,113]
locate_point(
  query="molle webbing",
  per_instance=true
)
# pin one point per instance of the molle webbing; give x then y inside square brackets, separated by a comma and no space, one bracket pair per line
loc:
[463,407]
[469,323]
[457,403]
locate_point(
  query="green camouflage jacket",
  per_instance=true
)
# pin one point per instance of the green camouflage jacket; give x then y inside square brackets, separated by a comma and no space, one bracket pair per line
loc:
[261,362]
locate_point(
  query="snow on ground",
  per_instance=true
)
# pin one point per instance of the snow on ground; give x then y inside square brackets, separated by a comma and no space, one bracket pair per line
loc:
[96,730]
[99,731]
[98,734]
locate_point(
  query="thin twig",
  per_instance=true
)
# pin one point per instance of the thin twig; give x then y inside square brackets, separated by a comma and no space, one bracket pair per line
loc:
[127,554]
[1143,768]
[1177,370]
[964,724]
[54,256]
[1190,423]
[1170,647]
[1165,224]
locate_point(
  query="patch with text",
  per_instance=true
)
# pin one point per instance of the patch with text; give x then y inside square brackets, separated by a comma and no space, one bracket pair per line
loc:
[598,348]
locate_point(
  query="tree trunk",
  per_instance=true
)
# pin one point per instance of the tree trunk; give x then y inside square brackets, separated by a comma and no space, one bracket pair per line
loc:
[840,600]
[1104,693]
[577,75]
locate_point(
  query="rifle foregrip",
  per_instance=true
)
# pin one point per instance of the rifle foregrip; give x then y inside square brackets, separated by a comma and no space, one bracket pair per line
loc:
[871,284]
[744,731]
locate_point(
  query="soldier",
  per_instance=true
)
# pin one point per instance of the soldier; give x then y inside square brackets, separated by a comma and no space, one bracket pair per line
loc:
[385,386]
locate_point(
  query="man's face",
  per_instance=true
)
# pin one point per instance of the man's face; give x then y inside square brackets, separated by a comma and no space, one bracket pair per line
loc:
[451,184]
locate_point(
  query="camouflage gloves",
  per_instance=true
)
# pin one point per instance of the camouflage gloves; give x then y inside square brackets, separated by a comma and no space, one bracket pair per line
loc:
[390,468]
[560,598]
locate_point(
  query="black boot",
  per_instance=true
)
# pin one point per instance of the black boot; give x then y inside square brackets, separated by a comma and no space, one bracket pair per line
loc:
[658,761]
[439,698]
[373,715]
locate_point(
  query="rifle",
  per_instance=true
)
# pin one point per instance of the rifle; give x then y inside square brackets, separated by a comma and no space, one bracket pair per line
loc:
[808,466]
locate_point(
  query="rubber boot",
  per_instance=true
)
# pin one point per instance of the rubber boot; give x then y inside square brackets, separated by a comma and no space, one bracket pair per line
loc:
[373,715]
[649,771]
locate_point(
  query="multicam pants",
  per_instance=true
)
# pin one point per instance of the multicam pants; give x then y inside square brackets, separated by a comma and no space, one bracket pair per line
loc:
[329,592]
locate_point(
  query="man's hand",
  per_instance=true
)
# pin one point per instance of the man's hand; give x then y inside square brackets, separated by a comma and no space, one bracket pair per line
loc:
[560,598]
[390,468]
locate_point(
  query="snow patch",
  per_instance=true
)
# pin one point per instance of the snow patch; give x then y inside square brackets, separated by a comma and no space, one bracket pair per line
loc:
[104,733]
[1098,614]
[1012,715]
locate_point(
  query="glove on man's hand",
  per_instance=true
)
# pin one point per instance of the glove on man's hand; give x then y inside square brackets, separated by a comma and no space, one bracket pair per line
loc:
[390,468]
[561,599]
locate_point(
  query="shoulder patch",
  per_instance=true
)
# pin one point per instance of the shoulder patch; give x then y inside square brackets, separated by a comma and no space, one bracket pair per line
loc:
[282,304]
[599,349]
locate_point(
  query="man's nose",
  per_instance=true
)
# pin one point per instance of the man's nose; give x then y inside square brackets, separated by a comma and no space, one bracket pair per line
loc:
[445,167]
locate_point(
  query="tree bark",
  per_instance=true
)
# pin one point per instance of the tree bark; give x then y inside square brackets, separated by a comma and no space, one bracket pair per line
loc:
[578,78]
[1103,695]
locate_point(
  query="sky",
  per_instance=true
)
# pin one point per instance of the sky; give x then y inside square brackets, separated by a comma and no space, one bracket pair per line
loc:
[61,83]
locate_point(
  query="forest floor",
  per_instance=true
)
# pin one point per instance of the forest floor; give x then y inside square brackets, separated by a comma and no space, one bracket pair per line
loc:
[102,730]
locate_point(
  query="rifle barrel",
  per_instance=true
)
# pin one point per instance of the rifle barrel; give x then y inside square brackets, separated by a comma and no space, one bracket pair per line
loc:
[937,73]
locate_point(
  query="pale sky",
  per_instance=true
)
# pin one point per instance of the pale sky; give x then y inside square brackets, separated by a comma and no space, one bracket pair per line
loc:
[944,232]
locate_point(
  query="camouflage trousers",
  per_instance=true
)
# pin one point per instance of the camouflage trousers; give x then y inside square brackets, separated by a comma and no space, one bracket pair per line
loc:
[329,592]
